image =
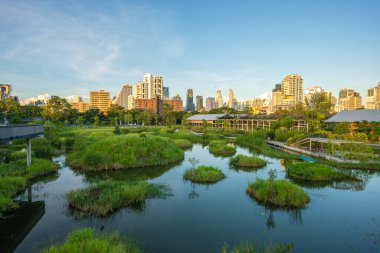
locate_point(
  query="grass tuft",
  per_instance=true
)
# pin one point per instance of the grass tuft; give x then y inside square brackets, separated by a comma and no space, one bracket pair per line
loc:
[315,172]
[247,162]
[106,197]
[204,175]
[182,143]
[278,193]
[86,240]
[221,148]
[250,247]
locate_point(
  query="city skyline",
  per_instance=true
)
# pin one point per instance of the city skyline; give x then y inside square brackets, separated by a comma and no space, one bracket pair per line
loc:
[194,45]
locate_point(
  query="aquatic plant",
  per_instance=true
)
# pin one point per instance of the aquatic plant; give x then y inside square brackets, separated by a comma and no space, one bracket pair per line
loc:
[106,197]
[221,148]
[315,172]
[182,143]
[278,193]
[125,151]
[251,247]
[204,174]
[247,162]
[86,240]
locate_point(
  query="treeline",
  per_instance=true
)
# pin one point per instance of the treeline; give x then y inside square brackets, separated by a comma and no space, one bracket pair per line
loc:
[58,110]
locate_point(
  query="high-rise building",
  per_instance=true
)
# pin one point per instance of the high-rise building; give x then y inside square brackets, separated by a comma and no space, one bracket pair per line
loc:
[190,100]
[141,90]
[123,96]
[5,91]
[372,100]
[131,101]
[218,99]
[166,93]
[100,99]
[210,103]
[199,103]
[77,99]
[155,85]
[276,97]
[231,98]
[292,90]
[349,100]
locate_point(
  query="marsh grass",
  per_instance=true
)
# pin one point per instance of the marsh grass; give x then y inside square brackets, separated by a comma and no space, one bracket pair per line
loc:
[40,167]
[316,172]
[221,148]
[251,247]
[247,162]
[182,143]
[278,193]
[106,197]
[258,143]
[86,240]
[9,187]
[360,166]
[204,175]
[125,151]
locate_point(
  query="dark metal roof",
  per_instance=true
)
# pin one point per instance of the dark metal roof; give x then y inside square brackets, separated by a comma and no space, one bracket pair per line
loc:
[356,116]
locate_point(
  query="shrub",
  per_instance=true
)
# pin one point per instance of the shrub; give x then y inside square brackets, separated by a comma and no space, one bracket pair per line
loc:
[221,148]
[41,148]
[278,193]
[247,161]
[315,172]
[86,240]
[106,197]
[204,174]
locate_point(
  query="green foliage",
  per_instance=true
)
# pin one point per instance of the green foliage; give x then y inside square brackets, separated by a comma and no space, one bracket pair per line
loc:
[182,143]
[40,167]
[42,149]
[315,172]
[56,110]
[250,247]
[117,130]
[204,175]
[86,240]
[221,148]
[9,186]
[278,193]
[106,197]
[125,151]
[354,146]
[247,162]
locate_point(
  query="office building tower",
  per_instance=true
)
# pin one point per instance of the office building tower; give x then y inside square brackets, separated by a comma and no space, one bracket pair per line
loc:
[199,103]
[210,103]
[100,99]
[349,100]
[218,99]
[123,96]
[190,100]
[166,93]
[292,90]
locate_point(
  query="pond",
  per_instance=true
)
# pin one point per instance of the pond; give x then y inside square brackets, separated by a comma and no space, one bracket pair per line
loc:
[341,217]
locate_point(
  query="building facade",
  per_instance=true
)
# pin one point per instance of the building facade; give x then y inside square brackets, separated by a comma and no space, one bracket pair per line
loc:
[141,90]
[123,96]
[166,93]
[210,103]
[155,104]
[190,100]
[5,91]
[349,100]
[100,99]
[372,100]
[199,103]
[231,98]
[80,106]
[292,90]
[218,99]
[155,86]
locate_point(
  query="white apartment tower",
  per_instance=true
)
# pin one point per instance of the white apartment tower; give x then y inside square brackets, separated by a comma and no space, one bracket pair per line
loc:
[155,85]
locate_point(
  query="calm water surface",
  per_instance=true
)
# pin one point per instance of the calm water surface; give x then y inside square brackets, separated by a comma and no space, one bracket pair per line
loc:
[341,217]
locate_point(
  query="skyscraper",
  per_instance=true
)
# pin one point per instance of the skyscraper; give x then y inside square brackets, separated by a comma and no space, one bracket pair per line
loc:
[155,85]
[122,96]
[100,99]
[218,99]
[231,98]
[199,103]
[5,91]
[166,93]
[189,100]
[292,90]
[210,103]
[349,100]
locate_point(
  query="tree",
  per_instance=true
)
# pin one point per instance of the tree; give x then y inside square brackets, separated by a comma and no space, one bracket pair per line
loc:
[128,118]
[314,119]
[79,121]
[10,110]
[56,109]
[320,102]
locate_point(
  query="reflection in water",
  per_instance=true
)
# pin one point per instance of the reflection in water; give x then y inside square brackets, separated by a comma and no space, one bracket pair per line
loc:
[193,194]
[295,217]
[14,229]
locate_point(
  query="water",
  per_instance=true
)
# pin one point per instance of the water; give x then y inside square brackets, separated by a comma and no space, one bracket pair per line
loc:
[341,217]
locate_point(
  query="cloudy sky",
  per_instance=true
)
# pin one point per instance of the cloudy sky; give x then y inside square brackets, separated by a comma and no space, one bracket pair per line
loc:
[72,46]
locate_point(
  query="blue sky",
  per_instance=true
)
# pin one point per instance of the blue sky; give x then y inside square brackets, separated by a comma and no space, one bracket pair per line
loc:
[71,47]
